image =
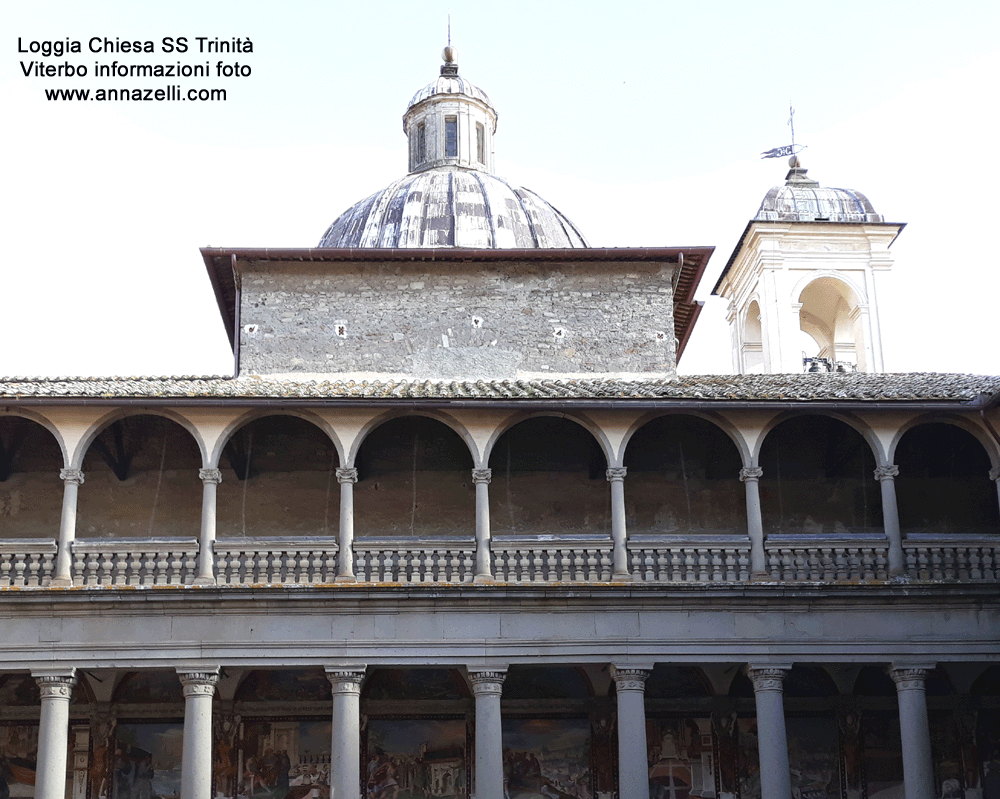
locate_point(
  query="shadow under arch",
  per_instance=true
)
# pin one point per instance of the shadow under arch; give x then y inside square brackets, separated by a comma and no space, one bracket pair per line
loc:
[818,477]
[581,419]
[849,419]
[31,490]
[214,458]
[724,425]
[414,480]
[446,419]
[683,477]
[42,420]
[549,476]
[117,415]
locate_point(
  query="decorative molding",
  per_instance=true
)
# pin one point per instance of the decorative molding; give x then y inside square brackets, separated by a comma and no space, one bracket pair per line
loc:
[346,680]
[198,683]
[482,476]
[487,683]
[908,679]
[751,473]
[766,678]
[616,474]
[71,476]
[886,472]
[55,686]
[347,474]
[629,679]
[210,475]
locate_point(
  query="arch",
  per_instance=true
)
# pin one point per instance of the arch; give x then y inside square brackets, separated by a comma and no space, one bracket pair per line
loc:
[31,492]
[806,680]
[682,477]
[148,687]
[284,685]
[581,419]
[95,429]
[818,477]
[212,462]
[713,418]
[861,427]
[416,684]
[829,305]
[542,683]
[44,421]
[446,419]
[978,432]
[544,469]
[677,681]
[944,486]
[414,479]
[752,338]
[278,478]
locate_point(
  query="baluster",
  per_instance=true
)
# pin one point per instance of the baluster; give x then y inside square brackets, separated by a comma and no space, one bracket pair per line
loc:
[161,568]
[524,565]
[703,563]
[743,561]
[118,570]
[936,570]
[6,567]
[92,567]
[956,567]
[431,560]
[19,565]
[537,564]
[881,562]
[590,560]
[975,564]
[648,565]
[922,564]
[176,561]
[48,561]
[389,566]
[867,563]
[565,565]
[718,568]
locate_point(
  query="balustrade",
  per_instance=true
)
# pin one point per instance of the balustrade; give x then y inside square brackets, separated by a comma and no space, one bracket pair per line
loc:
[552,559]
[134,562]
[678,559]
[276,561]
[817,558]
[26,562]
[407,561]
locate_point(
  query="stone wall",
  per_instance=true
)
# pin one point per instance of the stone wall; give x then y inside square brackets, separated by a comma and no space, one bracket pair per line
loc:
[457,321]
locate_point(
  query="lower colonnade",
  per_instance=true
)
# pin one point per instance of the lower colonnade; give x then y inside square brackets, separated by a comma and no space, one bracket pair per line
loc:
[409,733]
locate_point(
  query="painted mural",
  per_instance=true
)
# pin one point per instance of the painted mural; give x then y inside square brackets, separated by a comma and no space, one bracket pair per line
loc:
[415,759]
[547,759]
[283,759]
[813,758]
[18,753]
[680,757]
[147,760]
[883,759]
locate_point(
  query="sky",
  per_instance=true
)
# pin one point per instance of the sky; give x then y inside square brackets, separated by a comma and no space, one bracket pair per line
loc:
[643,122]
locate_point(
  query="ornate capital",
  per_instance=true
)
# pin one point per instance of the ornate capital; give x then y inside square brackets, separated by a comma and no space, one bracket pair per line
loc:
[347,475]
[210,475]
[616,474]
[886,472]
[628,679]
[752,473]
[56,686]
[482,476]
[766,678]
[346,681]
[487,683]
[908,679]
[71,476]
[198,682]
[995,474]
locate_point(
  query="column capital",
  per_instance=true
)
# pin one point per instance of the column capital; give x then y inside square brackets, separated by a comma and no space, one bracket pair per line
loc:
[346,680]
[71,476]
[887,472]
[198,680]
[210,475]
[482,476]
[767,678]
[751,473]
[616,474]
[995,474]
[55,683]
[347,474]
[630,678]
[909,678]
[485,683]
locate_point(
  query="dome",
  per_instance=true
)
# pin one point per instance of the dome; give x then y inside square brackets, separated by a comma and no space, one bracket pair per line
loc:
[449,84]
[802,199]
[452,207]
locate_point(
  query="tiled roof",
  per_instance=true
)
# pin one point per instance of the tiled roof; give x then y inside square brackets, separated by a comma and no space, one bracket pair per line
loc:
[909,387]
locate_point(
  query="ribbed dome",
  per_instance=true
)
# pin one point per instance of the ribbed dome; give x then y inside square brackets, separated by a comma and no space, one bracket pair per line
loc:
[802,199]
[449,84]
[452,207]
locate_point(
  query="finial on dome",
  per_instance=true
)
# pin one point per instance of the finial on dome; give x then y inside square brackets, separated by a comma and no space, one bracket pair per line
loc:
[450,66]
[449,54]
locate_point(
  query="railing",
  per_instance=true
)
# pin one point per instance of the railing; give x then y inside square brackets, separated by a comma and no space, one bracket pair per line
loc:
[26,562]
[819,558]
[551,559]
[276,561]
[134,562]
[691,559]
[390,560]
[292,561]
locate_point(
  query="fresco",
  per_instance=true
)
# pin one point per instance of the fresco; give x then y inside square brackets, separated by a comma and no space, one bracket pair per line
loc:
[416,684]
[415,759]
[680,757]
[814,757]
[147,760]
[883,757]
[285,685]
[150,687]
[284,759]
[18,753]
[547,759]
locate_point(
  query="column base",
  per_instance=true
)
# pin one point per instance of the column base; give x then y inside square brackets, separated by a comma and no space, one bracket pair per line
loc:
[622,577]
[61,582]
[761,577]
[346,578]
[204,581]
[484,579]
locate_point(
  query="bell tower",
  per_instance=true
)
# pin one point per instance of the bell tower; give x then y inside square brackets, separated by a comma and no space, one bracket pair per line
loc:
[801,283]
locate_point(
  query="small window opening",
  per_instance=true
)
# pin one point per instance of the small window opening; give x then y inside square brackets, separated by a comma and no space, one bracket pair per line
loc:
[480,143]
[421,143]
[451,137]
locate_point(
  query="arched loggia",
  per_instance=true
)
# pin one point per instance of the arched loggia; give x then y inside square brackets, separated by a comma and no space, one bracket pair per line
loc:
[30,488]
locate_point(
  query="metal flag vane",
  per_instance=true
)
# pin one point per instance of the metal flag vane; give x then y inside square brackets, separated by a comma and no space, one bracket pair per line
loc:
[788,149]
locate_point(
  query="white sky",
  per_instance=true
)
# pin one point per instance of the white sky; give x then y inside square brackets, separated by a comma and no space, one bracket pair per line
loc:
[641,121]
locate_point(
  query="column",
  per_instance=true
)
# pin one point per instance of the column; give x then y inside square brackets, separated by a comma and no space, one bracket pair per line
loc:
[918,767]
[633,769]
[484,560]
[210,479]
[775,779]
[72,480]
[347,477]
[890,515]
[198,683]
[345,746]
[619,533]
[750,477]
[55,686]
[995,477]
[488,779]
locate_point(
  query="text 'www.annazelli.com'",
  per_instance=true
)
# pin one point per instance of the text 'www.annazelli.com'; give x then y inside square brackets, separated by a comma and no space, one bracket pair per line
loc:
[172,93]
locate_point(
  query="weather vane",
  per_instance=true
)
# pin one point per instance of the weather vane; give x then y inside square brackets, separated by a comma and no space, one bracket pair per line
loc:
[788,149]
